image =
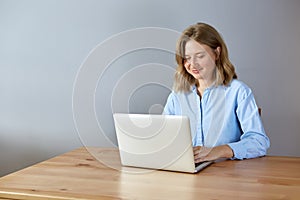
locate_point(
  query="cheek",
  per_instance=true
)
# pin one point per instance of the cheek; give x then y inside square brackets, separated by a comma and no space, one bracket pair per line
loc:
[186,65]
[213,59]
[208,62]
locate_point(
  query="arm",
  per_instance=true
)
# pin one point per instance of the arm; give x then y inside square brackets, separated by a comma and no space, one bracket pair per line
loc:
[169,108]
[253,142]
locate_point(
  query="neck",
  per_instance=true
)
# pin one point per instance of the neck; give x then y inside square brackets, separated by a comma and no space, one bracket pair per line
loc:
[203,84]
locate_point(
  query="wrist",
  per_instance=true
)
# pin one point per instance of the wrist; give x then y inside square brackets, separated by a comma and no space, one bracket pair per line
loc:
[226,151]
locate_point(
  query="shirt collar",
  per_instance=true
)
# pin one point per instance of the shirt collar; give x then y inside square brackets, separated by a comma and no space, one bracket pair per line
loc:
[194,88]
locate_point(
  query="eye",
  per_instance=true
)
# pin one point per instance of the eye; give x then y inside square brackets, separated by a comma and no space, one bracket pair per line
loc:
[200,56]
[187,58]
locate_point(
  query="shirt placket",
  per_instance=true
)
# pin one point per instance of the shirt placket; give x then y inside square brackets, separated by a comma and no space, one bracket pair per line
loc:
[199,138]
[203,106]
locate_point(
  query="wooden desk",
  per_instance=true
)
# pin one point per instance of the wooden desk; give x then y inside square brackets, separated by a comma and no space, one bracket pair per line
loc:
[79,175]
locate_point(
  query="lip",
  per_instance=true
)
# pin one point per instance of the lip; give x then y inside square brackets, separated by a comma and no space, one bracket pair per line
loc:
[196,71]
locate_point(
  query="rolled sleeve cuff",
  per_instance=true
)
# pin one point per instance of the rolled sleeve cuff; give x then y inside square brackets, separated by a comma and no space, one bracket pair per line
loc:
[239,152]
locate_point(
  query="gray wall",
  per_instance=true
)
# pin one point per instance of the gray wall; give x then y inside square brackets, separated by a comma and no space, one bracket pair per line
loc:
[44,43]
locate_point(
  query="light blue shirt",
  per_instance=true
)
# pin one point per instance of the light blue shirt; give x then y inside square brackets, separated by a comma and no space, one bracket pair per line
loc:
[224,115]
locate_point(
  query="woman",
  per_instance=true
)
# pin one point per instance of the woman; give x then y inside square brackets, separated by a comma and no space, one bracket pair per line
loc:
[224,117]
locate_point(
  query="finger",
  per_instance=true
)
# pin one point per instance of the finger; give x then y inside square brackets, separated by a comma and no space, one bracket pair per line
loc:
[204,151]
[199,157]
[196,150]
[202,159]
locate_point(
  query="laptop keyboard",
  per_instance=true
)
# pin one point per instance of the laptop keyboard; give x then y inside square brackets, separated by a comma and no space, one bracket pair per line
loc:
[197,164]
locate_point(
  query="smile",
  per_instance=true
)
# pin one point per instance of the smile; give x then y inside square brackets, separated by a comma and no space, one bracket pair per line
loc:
[196,71]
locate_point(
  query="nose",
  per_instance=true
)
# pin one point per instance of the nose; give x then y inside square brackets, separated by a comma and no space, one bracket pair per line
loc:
[193,61]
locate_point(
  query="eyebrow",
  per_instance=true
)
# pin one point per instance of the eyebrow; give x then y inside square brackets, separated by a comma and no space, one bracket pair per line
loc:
[200,52]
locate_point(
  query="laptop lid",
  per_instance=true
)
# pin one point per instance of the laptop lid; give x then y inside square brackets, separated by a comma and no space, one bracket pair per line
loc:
[156,142]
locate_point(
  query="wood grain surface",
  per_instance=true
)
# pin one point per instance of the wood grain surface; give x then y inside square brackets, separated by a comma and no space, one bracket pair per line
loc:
[96,173]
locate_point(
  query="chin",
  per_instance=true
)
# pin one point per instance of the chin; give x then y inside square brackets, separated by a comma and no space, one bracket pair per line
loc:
[197,76]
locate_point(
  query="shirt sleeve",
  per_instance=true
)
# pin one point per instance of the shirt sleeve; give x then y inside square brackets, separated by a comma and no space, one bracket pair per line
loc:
[169,108]
[253,142]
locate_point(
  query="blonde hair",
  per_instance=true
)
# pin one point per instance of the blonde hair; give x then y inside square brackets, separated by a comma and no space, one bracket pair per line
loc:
[207,35]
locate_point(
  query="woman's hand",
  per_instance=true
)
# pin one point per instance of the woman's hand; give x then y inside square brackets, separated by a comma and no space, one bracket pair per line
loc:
[205,153]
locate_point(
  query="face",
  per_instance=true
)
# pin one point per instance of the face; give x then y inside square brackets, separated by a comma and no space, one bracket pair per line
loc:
[200,60]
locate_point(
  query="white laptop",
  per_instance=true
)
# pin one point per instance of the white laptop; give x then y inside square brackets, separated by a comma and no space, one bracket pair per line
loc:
[161,142]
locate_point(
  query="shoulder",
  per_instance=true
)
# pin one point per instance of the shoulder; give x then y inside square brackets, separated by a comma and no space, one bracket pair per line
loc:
[182,97]
[175,94]
[239,86]
[175,102]
[239,89]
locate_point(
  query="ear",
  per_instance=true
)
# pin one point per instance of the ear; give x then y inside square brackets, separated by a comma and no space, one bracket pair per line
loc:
[218,52]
